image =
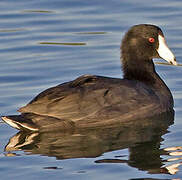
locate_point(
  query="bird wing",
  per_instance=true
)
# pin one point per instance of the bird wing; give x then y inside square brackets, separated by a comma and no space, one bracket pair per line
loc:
[92,96]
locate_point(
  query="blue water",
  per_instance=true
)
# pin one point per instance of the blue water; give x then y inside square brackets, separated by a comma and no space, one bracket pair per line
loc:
[89,33]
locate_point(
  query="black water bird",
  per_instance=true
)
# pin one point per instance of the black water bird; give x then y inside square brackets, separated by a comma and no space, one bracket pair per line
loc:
[92,101]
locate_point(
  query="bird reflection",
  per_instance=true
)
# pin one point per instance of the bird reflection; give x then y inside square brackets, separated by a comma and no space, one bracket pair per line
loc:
[142,137]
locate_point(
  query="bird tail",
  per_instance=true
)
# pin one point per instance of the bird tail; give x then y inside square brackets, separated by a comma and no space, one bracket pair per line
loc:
[35,122]
[19,122]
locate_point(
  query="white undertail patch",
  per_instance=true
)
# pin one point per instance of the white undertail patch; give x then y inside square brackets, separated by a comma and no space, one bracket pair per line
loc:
[17,124]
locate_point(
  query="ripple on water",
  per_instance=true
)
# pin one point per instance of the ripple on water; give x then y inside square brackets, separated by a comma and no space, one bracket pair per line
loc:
[44,43]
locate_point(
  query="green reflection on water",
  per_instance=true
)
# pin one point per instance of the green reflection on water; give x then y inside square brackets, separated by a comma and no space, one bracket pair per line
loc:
[66,44]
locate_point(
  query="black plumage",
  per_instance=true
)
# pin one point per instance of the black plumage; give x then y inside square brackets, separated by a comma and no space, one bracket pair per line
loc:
[91,100]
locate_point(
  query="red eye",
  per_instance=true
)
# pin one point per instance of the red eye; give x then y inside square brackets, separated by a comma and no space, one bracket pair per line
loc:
[151,40]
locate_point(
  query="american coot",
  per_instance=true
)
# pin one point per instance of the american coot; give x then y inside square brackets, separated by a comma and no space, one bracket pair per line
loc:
[91,100]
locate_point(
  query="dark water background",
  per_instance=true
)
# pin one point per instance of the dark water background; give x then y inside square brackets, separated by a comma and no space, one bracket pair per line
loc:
[44,43]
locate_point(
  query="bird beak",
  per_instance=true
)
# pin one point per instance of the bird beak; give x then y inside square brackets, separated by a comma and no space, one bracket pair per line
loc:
[164,52]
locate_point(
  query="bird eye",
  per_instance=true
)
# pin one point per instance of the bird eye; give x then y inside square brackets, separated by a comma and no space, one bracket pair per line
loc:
[151,40]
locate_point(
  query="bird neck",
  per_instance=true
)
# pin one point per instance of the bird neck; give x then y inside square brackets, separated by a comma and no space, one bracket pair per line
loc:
[141,70]
[144,71]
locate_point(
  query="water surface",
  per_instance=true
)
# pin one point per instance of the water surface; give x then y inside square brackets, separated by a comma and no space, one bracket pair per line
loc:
[44,43]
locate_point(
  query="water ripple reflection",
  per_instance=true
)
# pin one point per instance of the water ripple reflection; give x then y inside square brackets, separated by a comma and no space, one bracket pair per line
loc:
[28,68]
[142,137]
